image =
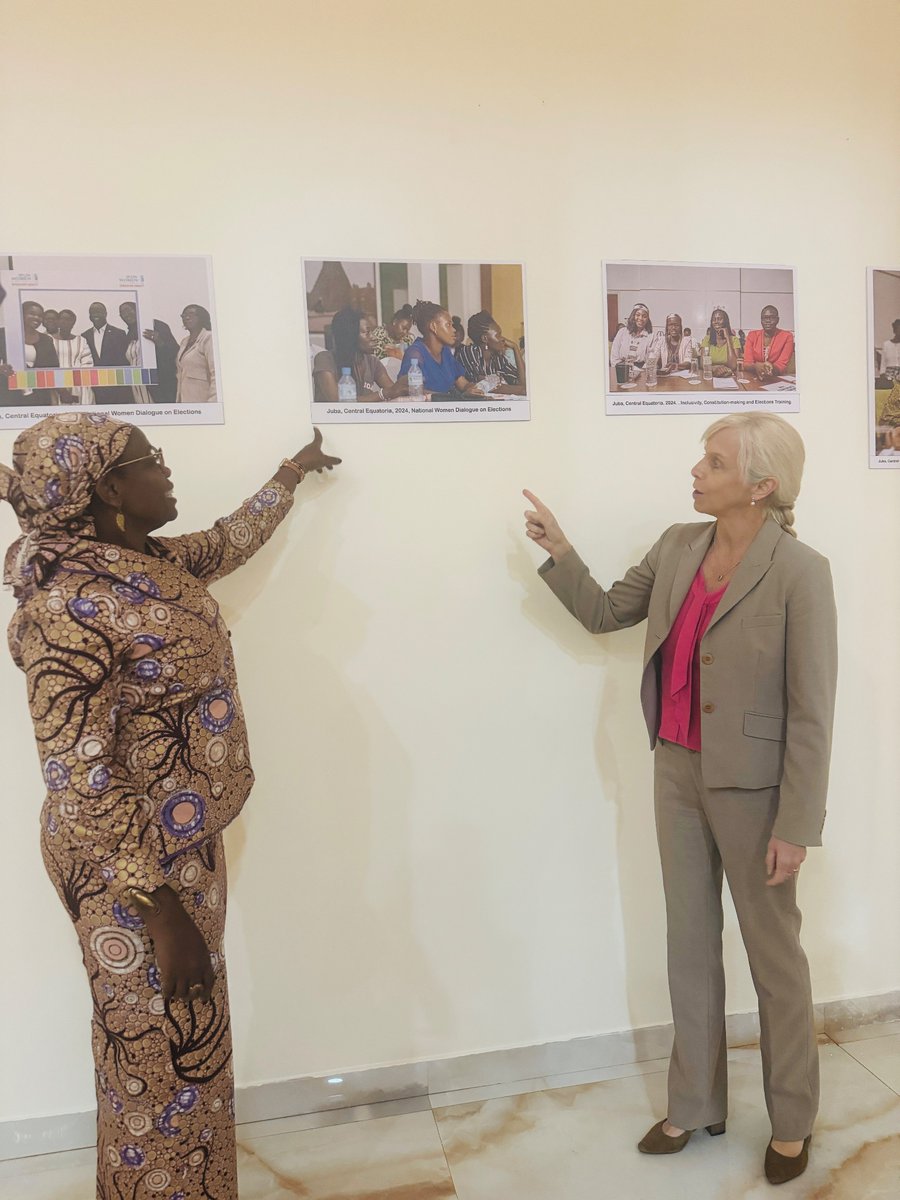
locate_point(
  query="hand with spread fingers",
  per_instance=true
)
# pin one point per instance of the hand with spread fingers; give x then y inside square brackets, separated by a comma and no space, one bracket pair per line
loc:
[312,458]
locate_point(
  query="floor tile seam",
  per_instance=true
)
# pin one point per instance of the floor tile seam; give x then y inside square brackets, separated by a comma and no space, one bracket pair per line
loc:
[437,1130]
[865,1067]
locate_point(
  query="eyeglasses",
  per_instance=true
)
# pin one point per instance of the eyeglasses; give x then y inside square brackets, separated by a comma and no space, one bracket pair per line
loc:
[155,454]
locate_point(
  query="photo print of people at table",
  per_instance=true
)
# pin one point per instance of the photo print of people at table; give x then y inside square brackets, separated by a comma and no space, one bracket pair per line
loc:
[413,341]
[109,333]
[884,367]
[657,364]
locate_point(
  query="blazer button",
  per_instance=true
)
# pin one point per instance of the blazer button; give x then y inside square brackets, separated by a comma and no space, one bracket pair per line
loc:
[708,708]
[706,659]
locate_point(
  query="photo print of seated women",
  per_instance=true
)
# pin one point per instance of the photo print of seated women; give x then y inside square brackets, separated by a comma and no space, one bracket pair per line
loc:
[458,328]
[656,362]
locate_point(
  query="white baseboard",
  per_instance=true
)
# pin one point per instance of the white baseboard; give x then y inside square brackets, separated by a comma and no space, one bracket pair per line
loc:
[374,1085]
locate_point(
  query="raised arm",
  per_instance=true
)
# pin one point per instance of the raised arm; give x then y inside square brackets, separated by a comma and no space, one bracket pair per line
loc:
[599,610]
[216,552]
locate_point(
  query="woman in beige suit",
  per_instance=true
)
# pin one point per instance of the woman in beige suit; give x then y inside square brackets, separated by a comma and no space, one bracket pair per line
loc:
[740,668]
[195,365]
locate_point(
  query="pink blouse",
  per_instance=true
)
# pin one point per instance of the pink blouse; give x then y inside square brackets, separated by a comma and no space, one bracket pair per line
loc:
[680,655]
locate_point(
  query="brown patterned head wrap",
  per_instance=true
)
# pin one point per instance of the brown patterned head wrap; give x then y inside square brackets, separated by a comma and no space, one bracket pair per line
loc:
[56,466]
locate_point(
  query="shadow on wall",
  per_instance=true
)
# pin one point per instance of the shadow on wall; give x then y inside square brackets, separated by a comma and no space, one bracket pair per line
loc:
[329,835]
[624,778]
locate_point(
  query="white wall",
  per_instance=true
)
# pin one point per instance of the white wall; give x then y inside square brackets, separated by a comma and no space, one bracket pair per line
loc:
[450,846]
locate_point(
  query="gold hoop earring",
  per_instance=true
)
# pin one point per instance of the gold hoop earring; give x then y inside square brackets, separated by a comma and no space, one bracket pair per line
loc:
[120,521]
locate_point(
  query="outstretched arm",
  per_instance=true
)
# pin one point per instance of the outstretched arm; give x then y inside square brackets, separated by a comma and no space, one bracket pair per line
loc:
[599,610]
[216,552]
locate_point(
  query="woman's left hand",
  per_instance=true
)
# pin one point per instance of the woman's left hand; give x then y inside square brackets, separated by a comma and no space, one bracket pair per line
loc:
[311,457]
[783,859]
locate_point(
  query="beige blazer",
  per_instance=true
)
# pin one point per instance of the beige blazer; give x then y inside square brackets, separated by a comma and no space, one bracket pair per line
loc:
[195,369]
[768,661]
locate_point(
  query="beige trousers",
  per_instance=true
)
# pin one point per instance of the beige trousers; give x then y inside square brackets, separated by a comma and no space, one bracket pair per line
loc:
[701,831]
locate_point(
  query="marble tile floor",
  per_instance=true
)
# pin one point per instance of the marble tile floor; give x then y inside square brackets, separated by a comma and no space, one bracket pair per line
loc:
[567,1137]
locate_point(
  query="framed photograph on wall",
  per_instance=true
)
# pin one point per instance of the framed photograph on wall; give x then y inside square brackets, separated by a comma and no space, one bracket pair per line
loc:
[699,337]
[392,342]
[884,367]
[134,336]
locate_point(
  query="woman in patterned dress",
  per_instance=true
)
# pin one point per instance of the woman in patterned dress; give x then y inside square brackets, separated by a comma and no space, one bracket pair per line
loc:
[132,689]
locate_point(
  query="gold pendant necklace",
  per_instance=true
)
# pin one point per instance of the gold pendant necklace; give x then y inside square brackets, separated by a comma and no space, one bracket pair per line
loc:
[719,578]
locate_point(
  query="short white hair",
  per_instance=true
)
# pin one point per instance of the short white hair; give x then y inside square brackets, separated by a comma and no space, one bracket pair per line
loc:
[769,447]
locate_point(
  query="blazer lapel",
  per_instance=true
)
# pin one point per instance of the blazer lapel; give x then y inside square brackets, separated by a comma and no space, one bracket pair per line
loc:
[688,566]
[756,563]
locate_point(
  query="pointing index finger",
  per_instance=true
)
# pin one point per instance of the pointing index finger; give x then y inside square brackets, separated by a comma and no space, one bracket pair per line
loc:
[538,504]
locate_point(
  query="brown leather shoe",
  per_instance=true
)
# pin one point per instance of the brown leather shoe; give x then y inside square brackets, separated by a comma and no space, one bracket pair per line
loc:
[781,1169]
[655,1141]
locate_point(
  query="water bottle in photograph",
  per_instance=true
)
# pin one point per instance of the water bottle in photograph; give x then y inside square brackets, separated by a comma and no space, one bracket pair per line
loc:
[346,386]
[694,376]
[652,364]
[415,381]
[707,364]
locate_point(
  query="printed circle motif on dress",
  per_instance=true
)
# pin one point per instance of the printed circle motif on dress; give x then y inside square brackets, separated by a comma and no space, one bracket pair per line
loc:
[68,453]
[138,587]
[153,640]
[189,874]
[125,919]
[89,747]
[157,1006]
[81,607]
[183,813]
[157,1180]
[52,493]
[132,1156]
[98,777]
[147,668]
[216,751]
[137,1123]
[118,950]
[240,534]
[56,774]
[217,710]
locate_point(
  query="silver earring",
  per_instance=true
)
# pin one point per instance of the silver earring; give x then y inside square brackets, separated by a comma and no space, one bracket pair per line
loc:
[752,502]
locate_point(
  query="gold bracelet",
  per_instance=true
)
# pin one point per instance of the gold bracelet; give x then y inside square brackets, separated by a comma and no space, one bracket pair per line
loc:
[293,466]
[143,901]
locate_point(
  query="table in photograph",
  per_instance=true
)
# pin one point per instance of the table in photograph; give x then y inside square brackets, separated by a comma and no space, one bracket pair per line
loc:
[677,383]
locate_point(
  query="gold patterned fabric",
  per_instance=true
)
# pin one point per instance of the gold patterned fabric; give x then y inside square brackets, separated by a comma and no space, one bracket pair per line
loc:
[57,463]
[142,742]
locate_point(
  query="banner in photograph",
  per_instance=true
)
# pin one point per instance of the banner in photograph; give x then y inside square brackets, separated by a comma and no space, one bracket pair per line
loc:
[694,337]
[392,342]
[132,336]
[884,367]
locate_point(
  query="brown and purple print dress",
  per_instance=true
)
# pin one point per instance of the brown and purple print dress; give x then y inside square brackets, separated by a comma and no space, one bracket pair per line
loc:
[142,742]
